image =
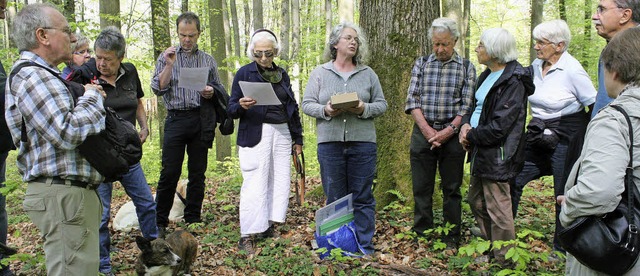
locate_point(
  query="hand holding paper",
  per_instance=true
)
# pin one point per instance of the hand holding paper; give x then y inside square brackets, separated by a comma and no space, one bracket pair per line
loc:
[261,92]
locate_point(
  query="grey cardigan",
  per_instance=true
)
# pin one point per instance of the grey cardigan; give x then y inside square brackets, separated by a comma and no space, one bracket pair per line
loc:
[325,82]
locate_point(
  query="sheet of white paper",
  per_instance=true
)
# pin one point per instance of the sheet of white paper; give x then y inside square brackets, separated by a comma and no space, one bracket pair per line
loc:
[262,92]
[193,78]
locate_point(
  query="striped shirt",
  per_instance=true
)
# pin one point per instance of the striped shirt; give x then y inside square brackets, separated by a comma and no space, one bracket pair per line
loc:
[442,90]
[176,98]
[54,126]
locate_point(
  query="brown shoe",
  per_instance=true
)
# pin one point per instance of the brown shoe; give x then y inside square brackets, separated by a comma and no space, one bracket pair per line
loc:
[247,244]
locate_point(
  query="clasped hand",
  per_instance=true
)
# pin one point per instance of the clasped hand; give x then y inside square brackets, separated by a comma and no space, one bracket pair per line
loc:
[332,112]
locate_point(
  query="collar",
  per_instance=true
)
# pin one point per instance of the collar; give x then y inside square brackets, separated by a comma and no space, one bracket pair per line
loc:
[561,64]
[329,66]
[33,57]
[454,58]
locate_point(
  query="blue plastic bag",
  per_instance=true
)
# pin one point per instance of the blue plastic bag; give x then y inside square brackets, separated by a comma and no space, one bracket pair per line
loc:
[344,238]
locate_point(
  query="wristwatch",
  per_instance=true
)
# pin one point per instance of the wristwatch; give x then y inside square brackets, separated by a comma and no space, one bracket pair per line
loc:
[455,128]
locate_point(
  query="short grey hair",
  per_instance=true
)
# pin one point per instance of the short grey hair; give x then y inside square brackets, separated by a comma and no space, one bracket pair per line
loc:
[27,21]
[110,39]
[555,31]
[362,54]
[444,24]
[81,41]
[500,44]
[259,35]
[634,5]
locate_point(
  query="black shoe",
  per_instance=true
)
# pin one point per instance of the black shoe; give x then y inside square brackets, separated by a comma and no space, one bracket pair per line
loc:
[452,242]
[269,233]
[246,244]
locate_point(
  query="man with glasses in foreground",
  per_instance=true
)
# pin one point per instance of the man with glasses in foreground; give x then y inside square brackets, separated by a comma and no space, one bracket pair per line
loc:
[187,124]
[47,127]
[612,17]
[440,93]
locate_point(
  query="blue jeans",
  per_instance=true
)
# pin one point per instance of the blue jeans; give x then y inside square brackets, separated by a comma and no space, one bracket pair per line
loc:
[136,187]
[349,168]
[4,270]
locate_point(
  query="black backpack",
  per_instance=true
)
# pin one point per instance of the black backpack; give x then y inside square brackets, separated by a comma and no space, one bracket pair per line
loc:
[112,151]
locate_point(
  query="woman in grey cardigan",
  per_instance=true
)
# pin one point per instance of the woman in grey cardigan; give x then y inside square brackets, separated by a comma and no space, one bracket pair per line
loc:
[347,136]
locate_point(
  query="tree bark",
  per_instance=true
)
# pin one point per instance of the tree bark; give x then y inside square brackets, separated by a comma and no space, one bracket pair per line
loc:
[327,18]
[217,36]
[345,10]
[396,31]
[69,10]
[110,13]
[537,8]
[161,41]
[185,6]
[587,33]
[236,28]
[562,7]
[284,32]
[247,19]
[258,22]
[295,48]
[467,26]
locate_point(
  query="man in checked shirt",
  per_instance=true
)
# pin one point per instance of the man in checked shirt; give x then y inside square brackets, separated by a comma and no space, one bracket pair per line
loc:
[440,93]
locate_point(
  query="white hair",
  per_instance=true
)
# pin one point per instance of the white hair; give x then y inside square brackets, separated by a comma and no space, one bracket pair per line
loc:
[261,35]
[444,24]
[555,31]
[500,44]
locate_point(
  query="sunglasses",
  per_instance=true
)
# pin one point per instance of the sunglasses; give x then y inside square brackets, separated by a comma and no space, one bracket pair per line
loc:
[258,54]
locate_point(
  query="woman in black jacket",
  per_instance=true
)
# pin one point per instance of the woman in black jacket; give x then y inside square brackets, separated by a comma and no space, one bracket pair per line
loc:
[494,135]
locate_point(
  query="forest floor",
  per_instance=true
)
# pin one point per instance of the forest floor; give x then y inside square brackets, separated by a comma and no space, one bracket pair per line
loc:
[290,252]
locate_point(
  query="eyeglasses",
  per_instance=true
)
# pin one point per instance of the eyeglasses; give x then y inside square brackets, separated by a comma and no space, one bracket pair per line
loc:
[258,54]
[600,9]
[543,43]
[83,52]
[67,30]
[351,38]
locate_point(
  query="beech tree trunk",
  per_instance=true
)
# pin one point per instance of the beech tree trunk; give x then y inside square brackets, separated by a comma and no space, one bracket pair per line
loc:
[217,35]
[161,41]
[284,32]
[397,36]
[537,8]
[110,13]
[258,22]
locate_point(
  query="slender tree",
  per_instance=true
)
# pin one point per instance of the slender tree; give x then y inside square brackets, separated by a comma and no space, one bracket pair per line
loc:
[327,18]
[185,6]
[110,13]
[236,29]
[217,38]
[453,9]
[258,20]
[537,9]
[247,18]
[69,10]
[161,41]
[345,10]
[284,31]
[397,36]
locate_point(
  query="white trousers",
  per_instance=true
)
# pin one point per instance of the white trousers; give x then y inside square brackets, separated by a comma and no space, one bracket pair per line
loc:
[266,173]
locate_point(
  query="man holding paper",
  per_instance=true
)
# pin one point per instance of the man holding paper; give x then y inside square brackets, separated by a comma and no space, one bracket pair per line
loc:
[185,77]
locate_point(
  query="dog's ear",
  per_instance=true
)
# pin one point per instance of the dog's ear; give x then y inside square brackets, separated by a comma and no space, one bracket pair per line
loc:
[143,243]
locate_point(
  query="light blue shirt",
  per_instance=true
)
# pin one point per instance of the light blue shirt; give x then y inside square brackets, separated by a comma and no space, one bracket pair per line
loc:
[602,98]
[481,94]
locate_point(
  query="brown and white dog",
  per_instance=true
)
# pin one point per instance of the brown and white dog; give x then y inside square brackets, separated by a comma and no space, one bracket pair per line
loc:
[163,257]
[126,218]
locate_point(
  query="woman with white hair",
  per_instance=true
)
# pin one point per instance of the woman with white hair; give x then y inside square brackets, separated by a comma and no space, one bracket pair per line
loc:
[494,135]
[81,54]
[563,90]
[266,135]
[347,150]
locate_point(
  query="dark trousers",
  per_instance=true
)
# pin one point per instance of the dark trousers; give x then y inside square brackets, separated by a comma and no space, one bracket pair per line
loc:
[4,270]
[182,130]
[539,163]
[449,160]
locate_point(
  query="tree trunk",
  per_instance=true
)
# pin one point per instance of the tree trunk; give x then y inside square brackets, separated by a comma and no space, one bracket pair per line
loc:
[467,26]
[562,6]
[185,6]
[295,47]
[110,13]
[327,18]
[284,32]
[217,35]
[396,31]
[69,10]
[345,10]
[587,32]
[236,28]
[247,19]
[161,41]
[258,22]
[453,9]
[537,8]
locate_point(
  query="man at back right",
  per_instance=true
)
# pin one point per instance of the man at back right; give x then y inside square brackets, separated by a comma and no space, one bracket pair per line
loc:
[612,17]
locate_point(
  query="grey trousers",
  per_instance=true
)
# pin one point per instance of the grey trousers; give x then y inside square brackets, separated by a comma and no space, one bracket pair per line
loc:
[68,219]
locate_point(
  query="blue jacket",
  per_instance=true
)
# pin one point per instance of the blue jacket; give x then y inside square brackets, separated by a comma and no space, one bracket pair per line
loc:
[250,127]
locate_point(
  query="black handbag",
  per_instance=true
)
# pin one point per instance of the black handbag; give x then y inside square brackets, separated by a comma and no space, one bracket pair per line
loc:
[608,243]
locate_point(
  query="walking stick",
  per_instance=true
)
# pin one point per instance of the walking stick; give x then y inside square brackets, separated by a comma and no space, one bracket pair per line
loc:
[298,162]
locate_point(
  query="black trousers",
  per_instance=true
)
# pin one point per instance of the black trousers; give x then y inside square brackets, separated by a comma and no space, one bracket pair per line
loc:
[449,160]
[182,131]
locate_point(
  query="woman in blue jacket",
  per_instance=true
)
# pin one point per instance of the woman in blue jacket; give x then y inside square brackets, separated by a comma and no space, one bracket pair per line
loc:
[494,135]
[266,134]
